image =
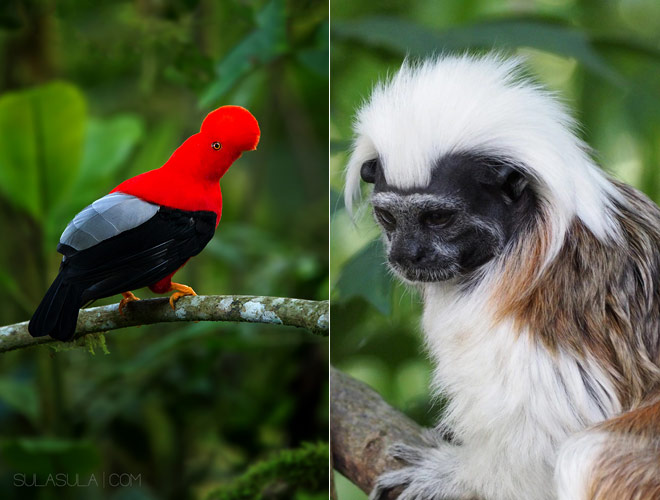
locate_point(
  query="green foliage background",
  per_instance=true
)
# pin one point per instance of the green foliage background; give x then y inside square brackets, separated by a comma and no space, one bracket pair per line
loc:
[92,92]
[602,57]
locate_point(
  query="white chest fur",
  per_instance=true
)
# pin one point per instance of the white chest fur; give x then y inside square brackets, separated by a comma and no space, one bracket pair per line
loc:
[512,402]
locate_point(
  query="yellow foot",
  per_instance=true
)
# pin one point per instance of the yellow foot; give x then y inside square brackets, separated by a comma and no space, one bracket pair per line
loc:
[181,290]
[128,297]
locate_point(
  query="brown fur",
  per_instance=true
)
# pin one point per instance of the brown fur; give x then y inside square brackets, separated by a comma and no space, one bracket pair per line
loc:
[594,298]
[601,300]
[629,466]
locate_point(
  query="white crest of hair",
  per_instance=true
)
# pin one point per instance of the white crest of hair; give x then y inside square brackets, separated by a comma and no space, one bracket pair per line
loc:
[511,401]
[470,104]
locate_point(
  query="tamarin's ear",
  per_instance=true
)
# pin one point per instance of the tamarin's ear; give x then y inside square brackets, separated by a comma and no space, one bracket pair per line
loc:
[368,170]
[507,177]
[514,185]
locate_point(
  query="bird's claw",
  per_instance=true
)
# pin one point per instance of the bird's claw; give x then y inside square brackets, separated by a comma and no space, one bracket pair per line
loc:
[181,291]
[128,297]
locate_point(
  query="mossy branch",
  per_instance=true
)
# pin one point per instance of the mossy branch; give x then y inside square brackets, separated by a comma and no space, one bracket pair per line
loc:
[309,314]
[362,428]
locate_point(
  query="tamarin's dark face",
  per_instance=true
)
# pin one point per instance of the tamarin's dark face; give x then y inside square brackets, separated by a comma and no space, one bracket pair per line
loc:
[467,214]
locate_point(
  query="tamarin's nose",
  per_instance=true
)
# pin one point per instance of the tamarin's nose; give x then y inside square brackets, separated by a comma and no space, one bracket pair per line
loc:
[407,252]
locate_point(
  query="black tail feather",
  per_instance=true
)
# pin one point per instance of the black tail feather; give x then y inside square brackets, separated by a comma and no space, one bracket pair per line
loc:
[58,312]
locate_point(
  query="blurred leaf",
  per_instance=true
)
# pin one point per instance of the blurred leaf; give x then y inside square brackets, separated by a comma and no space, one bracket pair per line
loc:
[347,490]
[251,86]
[336,201]
[10,17]
[11,287]
[41,142]
[536,32]
[304,495]
[340,146]
[238,242]
[161,143]
[21,396]
[364,276]
[411,381]
[161,431]
[628,45]
[259,47]
[108,144]
[49,455]
[317,58]
[157,351]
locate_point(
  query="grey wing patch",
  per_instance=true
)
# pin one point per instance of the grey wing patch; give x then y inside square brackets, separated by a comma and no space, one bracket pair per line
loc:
[105,218]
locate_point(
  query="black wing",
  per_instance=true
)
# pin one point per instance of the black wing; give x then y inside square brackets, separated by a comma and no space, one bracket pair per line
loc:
[140,256]
[118,243]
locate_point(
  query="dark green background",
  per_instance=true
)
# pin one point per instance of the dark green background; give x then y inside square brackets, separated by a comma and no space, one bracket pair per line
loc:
[602,57]
[93,92]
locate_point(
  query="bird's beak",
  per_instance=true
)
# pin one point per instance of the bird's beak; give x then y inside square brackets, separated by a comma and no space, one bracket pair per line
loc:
[256,143]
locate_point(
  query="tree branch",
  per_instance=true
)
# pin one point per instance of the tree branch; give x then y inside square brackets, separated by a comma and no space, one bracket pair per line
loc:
[309,314]
[362,427]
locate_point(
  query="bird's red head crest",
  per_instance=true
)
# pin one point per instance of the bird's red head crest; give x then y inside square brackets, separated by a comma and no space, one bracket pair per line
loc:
[232,127]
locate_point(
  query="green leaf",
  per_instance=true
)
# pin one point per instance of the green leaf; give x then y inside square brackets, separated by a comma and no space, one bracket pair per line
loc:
[364,276]
[535,32]
[336,201]
[316,58]
[11,287]
[10,14]
[340,146]
[21,396]
[258,48]
[49,455]
[158,146]
[41,139]
[108,145]
[19,178]
[633,47]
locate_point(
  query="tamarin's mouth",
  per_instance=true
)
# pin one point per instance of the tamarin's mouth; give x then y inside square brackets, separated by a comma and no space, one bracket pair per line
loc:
[423,274]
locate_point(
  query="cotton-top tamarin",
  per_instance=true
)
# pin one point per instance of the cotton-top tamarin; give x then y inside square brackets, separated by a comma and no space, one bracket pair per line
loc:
[148,227]
[540,277]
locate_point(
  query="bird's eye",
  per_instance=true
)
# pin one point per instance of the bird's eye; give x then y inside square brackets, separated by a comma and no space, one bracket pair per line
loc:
[436,218]
[385,218]
[216,145]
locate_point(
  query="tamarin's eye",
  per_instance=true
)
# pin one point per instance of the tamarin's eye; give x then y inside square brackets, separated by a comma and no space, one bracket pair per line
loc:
[436,218]
[385,218]
[216,145]
[368,170]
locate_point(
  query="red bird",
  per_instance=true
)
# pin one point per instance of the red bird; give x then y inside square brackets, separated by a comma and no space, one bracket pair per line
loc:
[148,227]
